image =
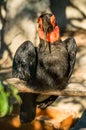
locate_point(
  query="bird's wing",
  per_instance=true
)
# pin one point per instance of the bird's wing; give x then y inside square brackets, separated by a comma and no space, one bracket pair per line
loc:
[25,61]
[24,67]
[71,47]
[28,107]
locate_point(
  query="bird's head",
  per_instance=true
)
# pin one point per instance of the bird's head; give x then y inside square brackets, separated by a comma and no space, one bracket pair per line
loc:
[48,29]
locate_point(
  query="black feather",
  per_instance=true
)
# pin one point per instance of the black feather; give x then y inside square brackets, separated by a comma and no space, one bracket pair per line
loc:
[25,61]
[71,46]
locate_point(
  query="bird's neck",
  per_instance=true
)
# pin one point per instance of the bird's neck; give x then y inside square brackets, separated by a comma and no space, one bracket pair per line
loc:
[48,48]
[51,37]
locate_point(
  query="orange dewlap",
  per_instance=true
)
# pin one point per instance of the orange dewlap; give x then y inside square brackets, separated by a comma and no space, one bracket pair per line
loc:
[52,36]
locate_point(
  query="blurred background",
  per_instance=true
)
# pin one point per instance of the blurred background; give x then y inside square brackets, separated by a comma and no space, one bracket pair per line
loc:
[18,23]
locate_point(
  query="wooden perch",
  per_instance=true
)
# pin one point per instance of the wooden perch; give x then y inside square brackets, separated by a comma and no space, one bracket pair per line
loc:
[72,89]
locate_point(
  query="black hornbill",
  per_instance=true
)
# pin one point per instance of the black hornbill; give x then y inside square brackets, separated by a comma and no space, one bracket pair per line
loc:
[47,67]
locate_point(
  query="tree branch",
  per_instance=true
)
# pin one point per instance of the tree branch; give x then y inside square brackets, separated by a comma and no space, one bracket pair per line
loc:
[72,89]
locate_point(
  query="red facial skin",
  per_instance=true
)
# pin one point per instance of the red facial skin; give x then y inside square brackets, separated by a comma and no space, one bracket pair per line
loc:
[52,36]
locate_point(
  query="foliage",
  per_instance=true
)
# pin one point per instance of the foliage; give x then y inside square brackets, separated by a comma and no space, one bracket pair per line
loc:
[7,95]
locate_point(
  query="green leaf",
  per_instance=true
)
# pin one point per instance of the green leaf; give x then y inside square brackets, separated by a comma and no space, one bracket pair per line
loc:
[1,87]
[15,93]
[4,104]
[10,108]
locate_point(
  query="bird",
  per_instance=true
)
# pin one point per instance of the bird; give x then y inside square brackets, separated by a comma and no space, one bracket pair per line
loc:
[56,57]
[47,67]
